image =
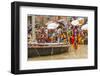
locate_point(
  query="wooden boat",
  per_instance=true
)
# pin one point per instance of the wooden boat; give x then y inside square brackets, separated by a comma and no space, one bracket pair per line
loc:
[44,49]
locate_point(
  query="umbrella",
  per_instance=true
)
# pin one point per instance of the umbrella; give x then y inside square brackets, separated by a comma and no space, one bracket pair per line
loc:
[84,27]
[75,22]
[81,21]
[63,21]
[52,26]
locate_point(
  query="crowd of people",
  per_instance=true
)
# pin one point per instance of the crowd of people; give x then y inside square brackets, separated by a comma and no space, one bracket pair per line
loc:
[66,34]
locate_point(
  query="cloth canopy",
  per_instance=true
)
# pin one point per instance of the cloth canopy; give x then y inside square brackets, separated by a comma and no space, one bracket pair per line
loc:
[52,26]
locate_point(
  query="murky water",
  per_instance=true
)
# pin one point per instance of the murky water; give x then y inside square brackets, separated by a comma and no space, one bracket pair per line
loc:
[81,52]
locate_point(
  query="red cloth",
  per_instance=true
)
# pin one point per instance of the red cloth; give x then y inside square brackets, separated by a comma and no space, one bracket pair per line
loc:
[72,39]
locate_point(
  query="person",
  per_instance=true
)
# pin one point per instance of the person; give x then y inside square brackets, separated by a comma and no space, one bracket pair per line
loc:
[72,39]
[29,37]
[75,43]
[86,38]
[79,38]
[69,33]
[59,30]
